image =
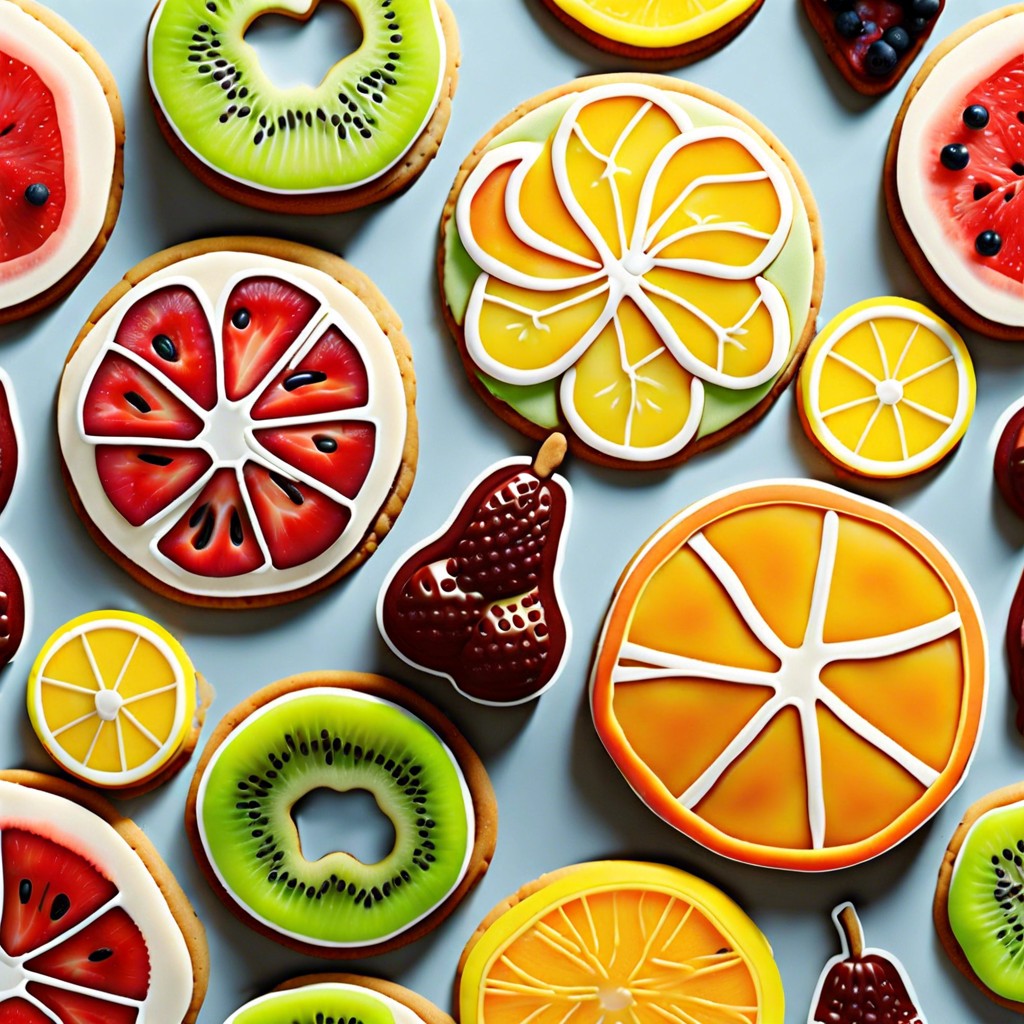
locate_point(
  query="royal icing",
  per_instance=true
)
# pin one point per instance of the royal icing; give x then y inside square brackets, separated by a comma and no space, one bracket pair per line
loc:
[887,389]
[222,429]
[769,620]
[627,257]
[90,147]
[332,993]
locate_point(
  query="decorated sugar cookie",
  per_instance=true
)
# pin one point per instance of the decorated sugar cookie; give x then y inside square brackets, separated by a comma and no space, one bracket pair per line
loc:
[863,984]
[116,702]
[825,658]
[10,439]
[480,601]
[978,897]
[678,31]
[367,130]
[341,731]
[887,389]
[619,942]
[93,925]
[873,42]
[634,261]
[237,421]
[15,604]
[61,143]
[319,998]
[953,174]
[1008,465]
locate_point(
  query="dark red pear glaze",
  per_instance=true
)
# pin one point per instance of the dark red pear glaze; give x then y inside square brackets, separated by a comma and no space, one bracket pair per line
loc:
[863,986]
[8,442]
[13,607]
[1009,462]
[1015,650]
[480,602]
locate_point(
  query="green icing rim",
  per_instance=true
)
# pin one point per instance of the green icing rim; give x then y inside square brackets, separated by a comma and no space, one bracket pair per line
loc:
[792,273]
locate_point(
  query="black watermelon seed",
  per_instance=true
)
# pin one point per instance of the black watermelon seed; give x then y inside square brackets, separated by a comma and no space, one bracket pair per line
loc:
[202,539]
[326,445]
[60,906]
[165,348]
[1018,168]
[955,157]
[976,117]
[24,891]
[982,190]
[241,319]
[133,398]
[236,531]
[295,497]
[197,516]
[154,460]
[303,378]
[97,956]
[37,194]
[988,244]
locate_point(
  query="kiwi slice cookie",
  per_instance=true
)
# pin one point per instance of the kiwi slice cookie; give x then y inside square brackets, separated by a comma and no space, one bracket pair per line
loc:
[368,129]
[340,731]
[339,999]
[979,902]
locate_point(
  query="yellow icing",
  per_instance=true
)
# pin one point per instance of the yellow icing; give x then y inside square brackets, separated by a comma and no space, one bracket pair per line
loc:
[617,942]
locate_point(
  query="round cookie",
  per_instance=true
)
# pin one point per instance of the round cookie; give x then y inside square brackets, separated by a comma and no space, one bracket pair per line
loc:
[237,421]
[634,261]
[618,942]
[824,655]
[61,145]
[977,898]
[365,132]
[92,918]
[342,997]
[480,602]
[10,439]
[340,731]
[116,702]
[15,604]
[673,32]
[951,174]
[1008,463]
[887,389]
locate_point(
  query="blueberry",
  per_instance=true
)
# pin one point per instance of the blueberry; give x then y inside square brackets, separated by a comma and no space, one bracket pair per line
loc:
[869,29]
[898,38]
[976,117]
[849,25]
[988,243]
[916,26]
[880,59]
[955,157]
[37,194]
[925,8]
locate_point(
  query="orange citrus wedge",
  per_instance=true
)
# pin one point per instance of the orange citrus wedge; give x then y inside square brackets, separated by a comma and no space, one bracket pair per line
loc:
[887,389]
[113,698]
[619,942]
[792,675]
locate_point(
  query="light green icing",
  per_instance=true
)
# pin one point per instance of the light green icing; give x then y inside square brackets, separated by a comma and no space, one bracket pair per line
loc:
[789,272]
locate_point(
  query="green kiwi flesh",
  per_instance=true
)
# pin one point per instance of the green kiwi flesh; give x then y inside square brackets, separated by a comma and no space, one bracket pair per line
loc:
[364,116]
[986,900]
[342,740]
[316,1004]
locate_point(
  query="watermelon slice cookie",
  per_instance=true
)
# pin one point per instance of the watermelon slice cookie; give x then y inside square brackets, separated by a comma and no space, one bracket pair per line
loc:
[93,926]
[236,421]
[955,174]
[61,141]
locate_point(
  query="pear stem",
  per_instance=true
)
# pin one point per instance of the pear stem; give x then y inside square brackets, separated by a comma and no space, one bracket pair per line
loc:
[550,456]
[854,933]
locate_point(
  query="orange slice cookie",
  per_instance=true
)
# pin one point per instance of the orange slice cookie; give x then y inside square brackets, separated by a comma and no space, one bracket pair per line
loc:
[825,659]
[619,942]
[887,389]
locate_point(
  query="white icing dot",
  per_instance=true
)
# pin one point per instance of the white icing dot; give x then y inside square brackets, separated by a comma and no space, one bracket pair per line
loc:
[890,392]
[108,704]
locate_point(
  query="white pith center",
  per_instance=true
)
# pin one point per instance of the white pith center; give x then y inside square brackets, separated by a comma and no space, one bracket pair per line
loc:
[12,977]
[614,999]
[890,392]
[226,426]
[636,264]
[108,704]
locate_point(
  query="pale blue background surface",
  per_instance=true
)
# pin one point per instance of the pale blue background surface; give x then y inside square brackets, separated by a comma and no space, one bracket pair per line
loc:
[561,799]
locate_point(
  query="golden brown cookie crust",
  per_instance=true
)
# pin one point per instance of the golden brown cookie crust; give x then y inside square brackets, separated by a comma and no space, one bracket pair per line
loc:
[423,1008]
[363,288]
[399,177]
[485,806]
[191,927]
[936,287]
[99,68]
[940,908]
[576,445]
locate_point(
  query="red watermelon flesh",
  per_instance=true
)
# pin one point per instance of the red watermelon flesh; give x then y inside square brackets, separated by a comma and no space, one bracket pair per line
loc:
[76,1008]
[18,1011]
[169,329]
[8,448]
[31,153]
[12,609]
[142,482]
[989,194]
[263,317]
[336,454]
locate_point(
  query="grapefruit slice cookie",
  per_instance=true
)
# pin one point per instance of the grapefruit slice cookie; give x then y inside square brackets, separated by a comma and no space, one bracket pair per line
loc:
[678,31]
[634,261]
[480,602]
[978,898]
[318,998]
[367,130]
[61,143]
[887,389]
[116,702]
[236,421]
[953,174]
[94,926]
[619,942]
[340,731]
[823,653]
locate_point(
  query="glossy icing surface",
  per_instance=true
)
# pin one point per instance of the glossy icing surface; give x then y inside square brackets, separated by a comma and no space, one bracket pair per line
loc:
[826,656]
[334,999]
